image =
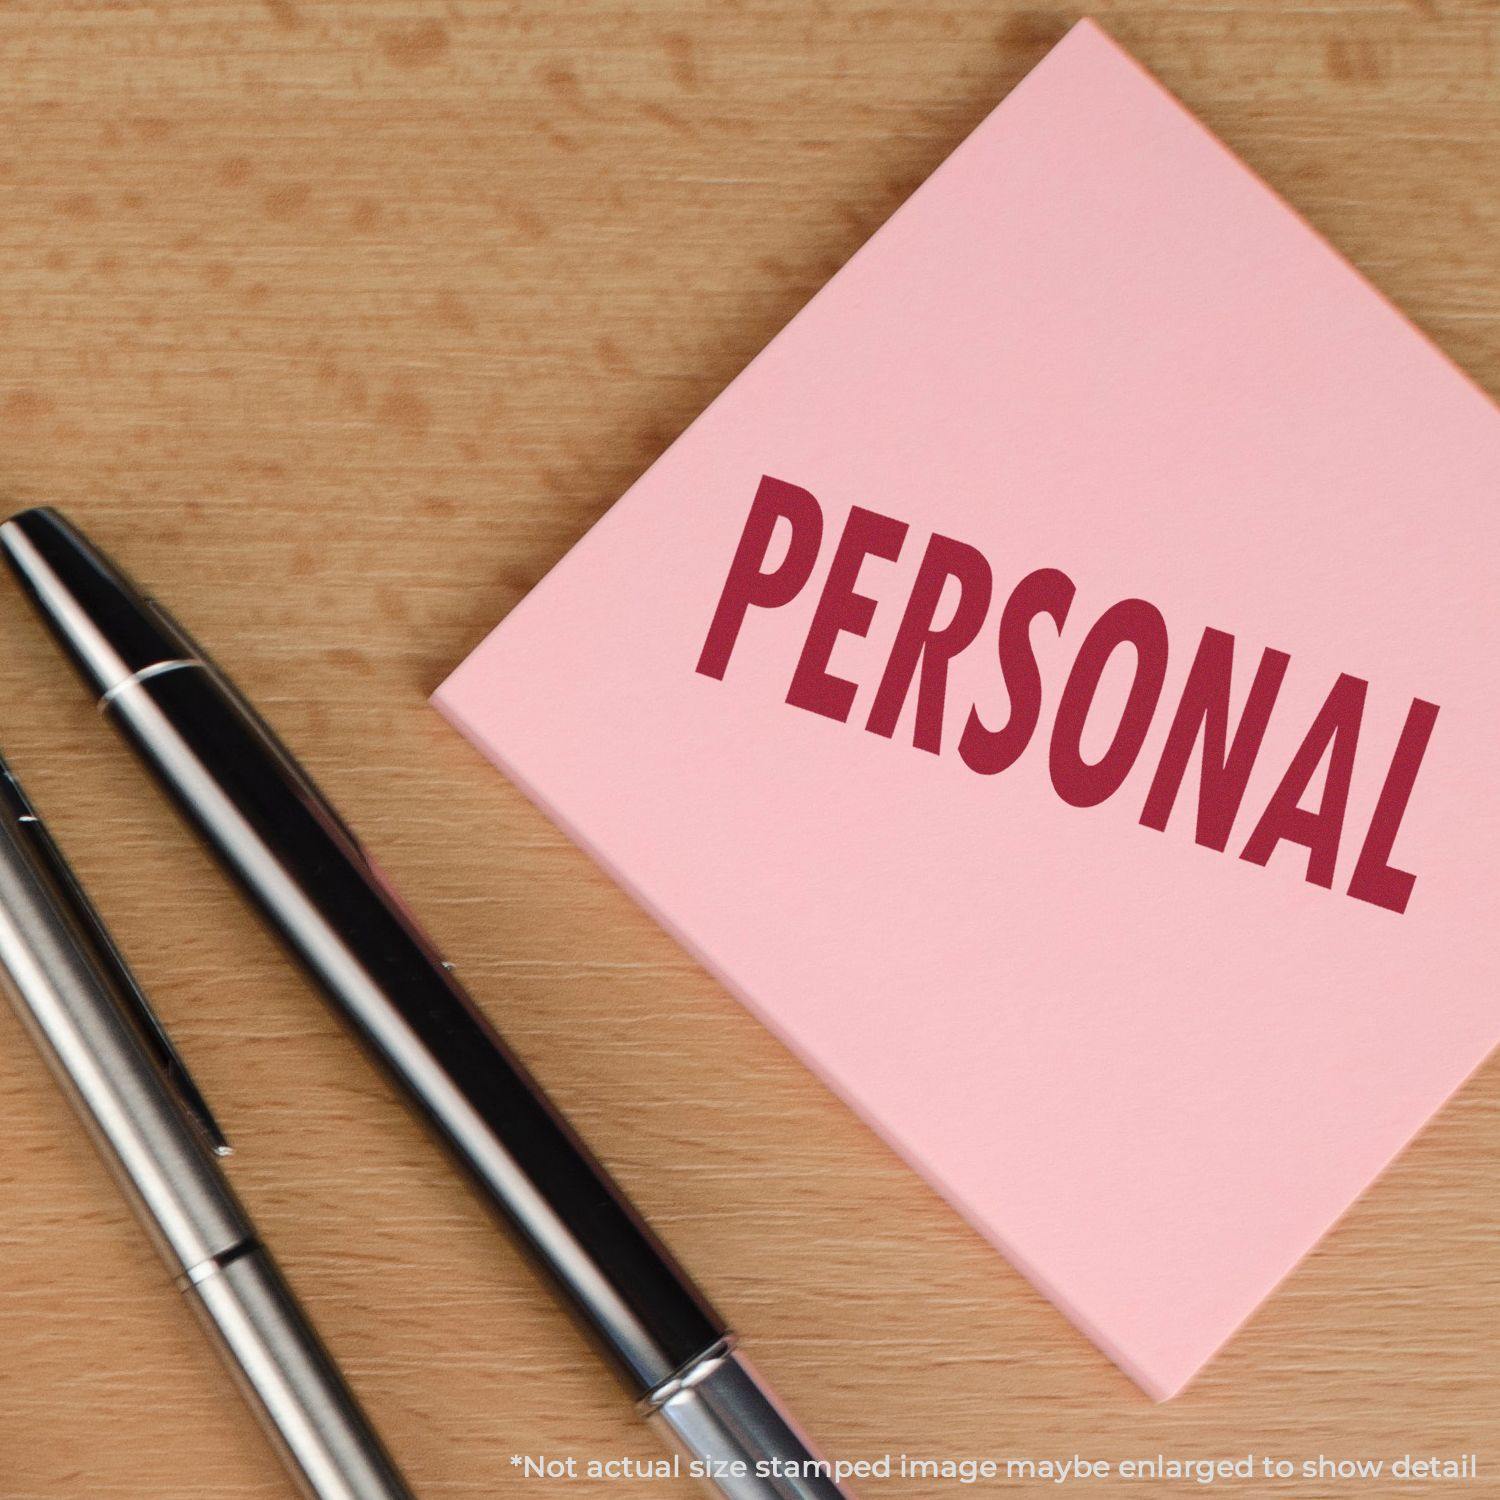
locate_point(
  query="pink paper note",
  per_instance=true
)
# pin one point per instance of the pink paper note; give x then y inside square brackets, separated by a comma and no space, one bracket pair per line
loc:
[1152,1070]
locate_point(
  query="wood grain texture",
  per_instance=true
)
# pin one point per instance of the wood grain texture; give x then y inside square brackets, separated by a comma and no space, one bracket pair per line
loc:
[343,321]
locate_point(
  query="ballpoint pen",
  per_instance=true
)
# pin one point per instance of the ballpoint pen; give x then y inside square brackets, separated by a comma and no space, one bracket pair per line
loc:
[302,866]
[81,1004]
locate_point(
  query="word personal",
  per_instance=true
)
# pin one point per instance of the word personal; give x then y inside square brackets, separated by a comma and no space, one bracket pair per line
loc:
[923,649]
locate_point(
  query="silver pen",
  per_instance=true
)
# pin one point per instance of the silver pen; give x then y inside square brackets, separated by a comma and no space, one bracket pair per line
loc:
[78,999]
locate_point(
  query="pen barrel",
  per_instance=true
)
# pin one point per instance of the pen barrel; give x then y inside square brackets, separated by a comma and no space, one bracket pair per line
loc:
[319,891]
[289,1381]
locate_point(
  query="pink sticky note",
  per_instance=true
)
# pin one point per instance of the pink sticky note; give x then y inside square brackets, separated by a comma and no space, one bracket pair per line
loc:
[1152,1070]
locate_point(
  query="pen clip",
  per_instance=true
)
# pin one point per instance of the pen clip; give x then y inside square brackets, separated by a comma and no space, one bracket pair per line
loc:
[147,1023]
[296,772]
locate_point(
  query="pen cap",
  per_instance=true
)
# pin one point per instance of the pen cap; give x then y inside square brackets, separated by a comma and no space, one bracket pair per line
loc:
[292,854]
[79,1015]
[111,632]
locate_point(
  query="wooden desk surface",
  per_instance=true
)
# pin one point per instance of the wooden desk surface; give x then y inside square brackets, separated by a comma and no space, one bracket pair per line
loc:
[344,321]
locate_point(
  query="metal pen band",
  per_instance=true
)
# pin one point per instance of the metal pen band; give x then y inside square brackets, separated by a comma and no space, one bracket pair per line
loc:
[722,1414]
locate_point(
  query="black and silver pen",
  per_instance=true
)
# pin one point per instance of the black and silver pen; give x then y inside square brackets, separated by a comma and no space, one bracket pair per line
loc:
[297,860]
[109,1052]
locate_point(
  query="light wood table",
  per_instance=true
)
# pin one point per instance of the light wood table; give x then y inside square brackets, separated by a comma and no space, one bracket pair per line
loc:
[343,321]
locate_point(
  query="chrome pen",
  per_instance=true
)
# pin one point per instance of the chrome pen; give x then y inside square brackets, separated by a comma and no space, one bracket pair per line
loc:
[297,860]
[79,1000]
